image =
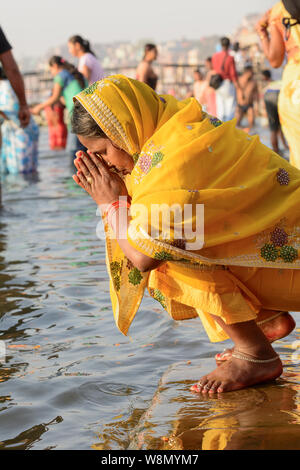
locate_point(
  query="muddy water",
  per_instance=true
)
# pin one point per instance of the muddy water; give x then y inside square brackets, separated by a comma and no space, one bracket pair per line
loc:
[69,379]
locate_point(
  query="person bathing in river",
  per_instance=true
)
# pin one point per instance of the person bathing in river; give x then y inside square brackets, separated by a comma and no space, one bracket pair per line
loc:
[144,71]
[67,82]
[247,98]
[145,150]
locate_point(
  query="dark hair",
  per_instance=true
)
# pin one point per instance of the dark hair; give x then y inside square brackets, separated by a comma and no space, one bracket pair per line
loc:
[199,73]
[84,43]
[236,46]
[83,124]
[267,74]
[208,59]
[149,47]
[57,60]
[293,7]
[248,68]
[225,42]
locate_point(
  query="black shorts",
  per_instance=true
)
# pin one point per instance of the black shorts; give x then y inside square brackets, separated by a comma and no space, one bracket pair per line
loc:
[245,107]
[271,102]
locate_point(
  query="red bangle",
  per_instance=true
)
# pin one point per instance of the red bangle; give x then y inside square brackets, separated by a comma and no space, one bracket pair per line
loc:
[114,207]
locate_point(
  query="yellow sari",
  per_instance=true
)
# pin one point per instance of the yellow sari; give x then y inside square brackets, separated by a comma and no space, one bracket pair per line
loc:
[185,157]
[289,98]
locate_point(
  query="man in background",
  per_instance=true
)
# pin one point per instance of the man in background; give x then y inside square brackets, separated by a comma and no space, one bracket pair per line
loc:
[247,98]
[223,64]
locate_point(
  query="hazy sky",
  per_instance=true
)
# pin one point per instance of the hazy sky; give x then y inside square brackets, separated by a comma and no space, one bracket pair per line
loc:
[33,26]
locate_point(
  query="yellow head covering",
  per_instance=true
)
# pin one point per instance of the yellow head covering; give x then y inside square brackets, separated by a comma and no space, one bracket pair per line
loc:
[127,111]
[184,156]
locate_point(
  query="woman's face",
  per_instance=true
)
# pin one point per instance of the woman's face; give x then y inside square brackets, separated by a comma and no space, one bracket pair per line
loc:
[115,158]
[54,69]
[151,55]
[74,48]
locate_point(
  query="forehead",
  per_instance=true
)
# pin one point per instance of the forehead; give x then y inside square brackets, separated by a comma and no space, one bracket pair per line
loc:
[94,144]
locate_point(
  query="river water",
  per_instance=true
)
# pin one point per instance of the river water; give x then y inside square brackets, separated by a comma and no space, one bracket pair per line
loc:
[68,378]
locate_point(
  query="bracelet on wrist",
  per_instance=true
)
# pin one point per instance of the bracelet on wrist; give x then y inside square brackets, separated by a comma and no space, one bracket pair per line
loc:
[114,207]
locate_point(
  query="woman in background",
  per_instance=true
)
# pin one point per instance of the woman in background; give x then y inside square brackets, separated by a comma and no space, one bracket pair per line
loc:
[68,81]
[199,88]
[279,32]
[210,95]
[58,131]
[19,150]
[88,64]
[145,72]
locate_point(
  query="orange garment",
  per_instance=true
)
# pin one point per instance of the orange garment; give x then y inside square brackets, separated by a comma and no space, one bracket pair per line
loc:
[289,97]
[57,128]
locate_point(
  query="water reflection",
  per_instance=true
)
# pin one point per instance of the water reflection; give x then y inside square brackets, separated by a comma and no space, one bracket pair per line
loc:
[262,417]
[26,439]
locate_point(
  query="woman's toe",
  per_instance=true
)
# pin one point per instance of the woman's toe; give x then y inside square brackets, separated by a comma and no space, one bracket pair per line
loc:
[199,386]
[214,387]
[207,386]
[221,388]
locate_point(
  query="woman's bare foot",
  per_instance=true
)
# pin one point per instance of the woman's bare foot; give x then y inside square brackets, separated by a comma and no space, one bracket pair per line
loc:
[273,328]
[236,374]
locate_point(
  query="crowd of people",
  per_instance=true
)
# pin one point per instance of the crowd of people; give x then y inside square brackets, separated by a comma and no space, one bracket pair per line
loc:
[229,86]
[19,131]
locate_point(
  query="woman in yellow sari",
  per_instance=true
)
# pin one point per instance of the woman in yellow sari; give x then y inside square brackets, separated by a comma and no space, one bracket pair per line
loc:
[279,31]
[204,216]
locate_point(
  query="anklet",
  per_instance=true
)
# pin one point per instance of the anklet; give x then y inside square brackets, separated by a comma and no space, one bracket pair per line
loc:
[244,357]
[271,318]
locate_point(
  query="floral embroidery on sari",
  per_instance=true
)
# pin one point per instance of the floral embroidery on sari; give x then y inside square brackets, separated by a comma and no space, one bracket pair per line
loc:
[277,246]
[157,295]
[135,276]
[163,255]
[215,121]
[90,89]
[283,177]
[148,159]
[116,269]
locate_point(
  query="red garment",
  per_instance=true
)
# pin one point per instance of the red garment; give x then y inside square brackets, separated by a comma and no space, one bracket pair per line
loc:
[228,70]
[57,127]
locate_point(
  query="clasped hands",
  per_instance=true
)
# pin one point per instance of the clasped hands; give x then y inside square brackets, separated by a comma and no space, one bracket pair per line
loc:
[95,177]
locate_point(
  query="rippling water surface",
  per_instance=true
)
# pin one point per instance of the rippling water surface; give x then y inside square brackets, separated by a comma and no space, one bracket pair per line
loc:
[70,380]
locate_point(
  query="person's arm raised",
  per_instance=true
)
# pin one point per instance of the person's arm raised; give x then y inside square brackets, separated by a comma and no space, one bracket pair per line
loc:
[272,44]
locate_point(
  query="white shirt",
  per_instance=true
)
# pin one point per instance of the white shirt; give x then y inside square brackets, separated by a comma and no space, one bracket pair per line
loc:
[90,61]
